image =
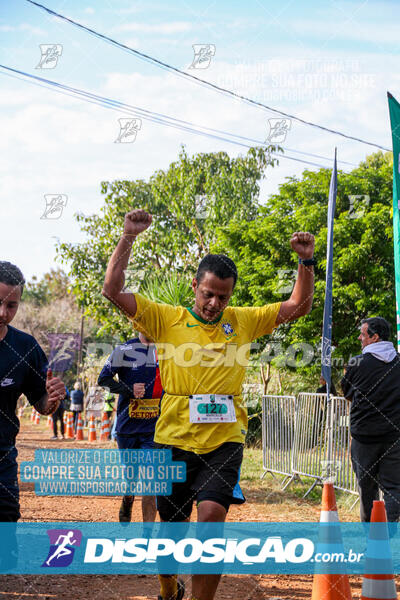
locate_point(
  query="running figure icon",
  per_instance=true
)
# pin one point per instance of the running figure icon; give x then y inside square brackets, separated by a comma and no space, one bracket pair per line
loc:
[62,549]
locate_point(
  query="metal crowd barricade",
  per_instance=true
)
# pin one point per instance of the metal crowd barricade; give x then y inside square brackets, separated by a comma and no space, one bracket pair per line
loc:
[295,439]
[344,477]
[309,450]
[278,428]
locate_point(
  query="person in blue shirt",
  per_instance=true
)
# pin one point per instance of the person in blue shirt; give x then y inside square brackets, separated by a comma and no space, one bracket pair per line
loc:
[23,370]
[76,405]
[139,387]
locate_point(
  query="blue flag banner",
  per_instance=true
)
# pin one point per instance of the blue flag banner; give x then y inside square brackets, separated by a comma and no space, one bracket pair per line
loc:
[199,548]
[327,326]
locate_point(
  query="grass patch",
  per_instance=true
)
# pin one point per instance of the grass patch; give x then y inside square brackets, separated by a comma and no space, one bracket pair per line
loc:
[252,470]
[252,466]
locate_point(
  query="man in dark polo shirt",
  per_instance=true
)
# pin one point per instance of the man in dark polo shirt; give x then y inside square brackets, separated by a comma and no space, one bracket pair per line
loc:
[372,383]
[23,370]
[139,388]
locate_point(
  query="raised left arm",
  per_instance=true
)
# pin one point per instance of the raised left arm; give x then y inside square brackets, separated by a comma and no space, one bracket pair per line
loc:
[300,301]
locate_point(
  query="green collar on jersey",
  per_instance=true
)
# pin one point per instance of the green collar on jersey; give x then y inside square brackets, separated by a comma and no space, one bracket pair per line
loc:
[203,320]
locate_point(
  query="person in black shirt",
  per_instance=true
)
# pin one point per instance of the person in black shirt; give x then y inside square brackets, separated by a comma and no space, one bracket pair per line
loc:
[372,383]
[322,387]
[23,370]
[58,415]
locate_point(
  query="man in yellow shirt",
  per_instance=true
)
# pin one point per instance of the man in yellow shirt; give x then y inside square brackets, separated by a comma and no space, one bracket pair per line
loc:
[203,353]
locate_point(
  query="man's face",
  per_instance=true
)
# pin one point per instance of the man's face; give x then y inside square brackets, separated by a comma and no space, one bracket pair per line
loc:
[365,338]
[212,295]
[10,297]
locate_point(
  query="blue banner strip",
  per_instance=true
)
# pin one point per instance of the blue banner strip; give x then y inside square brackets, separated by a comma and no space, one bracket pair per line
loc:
[147,548]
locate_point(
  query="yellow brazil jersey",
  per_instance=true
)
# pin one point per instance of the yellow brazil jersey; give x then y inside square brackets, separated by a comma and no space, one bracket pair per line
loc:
[197,357]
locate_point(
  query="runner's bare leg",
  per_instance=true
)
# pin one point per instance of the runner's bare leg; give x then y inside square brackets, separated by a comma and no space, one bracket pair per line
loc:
[149,509]
[205,586]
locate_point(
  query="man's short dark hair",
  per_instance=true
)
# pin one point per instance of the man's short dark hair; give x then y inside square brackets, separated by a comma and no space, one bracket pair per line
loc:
[11,275]
[218,264]
[378,325]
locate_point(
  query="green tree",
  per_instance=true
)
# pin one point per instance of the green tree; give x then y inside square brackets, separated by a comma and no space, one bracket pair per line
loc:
[175,289]
[54,285]
[188,202]
[48,306]
[363,268]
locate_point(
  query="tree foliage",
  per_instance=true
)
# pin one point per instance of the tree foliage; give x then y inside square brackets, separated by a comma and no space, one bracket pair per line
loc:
[174,289]
[363,268]
[188,202]
[54,285]
[49,307]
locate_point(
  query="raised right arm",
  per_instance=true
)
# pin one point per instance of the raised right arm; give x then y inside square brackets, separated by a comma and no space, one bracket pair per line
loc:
[135,222]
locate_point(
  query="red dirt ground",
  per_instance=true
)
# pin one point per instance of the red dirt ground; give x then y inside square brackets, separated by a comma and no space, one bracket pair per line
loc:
[134,587]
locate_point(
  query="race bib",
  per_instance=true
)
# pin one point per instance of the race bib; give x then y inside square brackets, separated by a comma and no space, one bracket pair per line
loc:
[144,408]
[211,408]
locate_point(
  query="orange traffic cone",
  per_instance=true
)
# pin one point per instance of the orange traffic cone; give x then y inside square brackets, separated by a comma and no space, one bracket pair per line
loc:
[105,428]
[50,422]
[92,430]
[37,418]
[70,427]
[330,586]
[378,557]
[33,415]
[65,418]
[79,429]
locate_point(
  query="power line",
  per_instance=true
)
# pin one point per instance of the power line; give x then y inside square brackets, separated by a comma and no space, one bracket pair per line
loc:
[146,114]
[200,81]
[142,113]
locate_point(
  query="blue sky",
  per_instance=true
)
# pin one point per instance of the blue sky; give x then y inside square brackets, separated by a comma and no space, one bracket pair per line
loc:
[330,63]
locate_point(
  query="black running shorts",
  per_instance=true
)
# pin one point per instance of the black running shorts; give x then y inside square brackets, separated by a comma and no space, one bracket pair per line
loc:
[211,476]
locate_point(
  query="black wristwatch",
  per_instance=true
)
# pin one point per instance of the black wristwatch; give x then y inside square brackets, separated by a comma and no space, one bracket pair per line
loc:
[307,262]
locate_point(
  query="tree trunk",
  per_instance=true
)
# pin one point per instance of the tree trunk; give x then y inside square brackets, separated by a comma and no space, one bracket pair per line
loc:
[279,381]
[265,377]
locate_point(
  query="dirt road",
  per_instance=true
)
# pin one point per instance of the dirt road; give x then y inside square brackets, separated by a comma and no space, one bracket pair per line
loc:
[133,587]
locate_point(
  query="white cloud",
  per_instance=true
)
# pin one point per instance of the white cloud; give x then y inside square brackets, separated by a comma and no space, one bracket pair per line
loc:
[132,43]
[157,28]
[22,27]
[138,8]
[55,144]
[132,10]
[353,30]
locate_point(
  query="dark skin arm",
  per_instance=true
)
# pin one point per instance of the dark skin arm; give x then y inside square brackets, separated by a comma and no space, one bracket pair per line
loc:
[300,301]
[135,222]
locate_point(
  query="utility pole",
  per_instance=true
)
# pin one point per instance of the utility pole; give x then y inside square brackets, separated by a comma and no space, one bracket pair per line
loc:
[79,365]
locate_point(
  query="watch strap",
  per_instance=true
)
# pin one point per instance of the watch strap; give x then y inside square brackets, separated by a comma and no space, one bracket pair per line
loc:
[307,262]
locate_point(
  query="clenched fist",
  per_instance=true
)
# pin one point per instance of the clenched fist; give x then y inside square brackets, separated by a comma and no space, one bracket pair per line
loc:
[303,244]
[139,390]
[136,221]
